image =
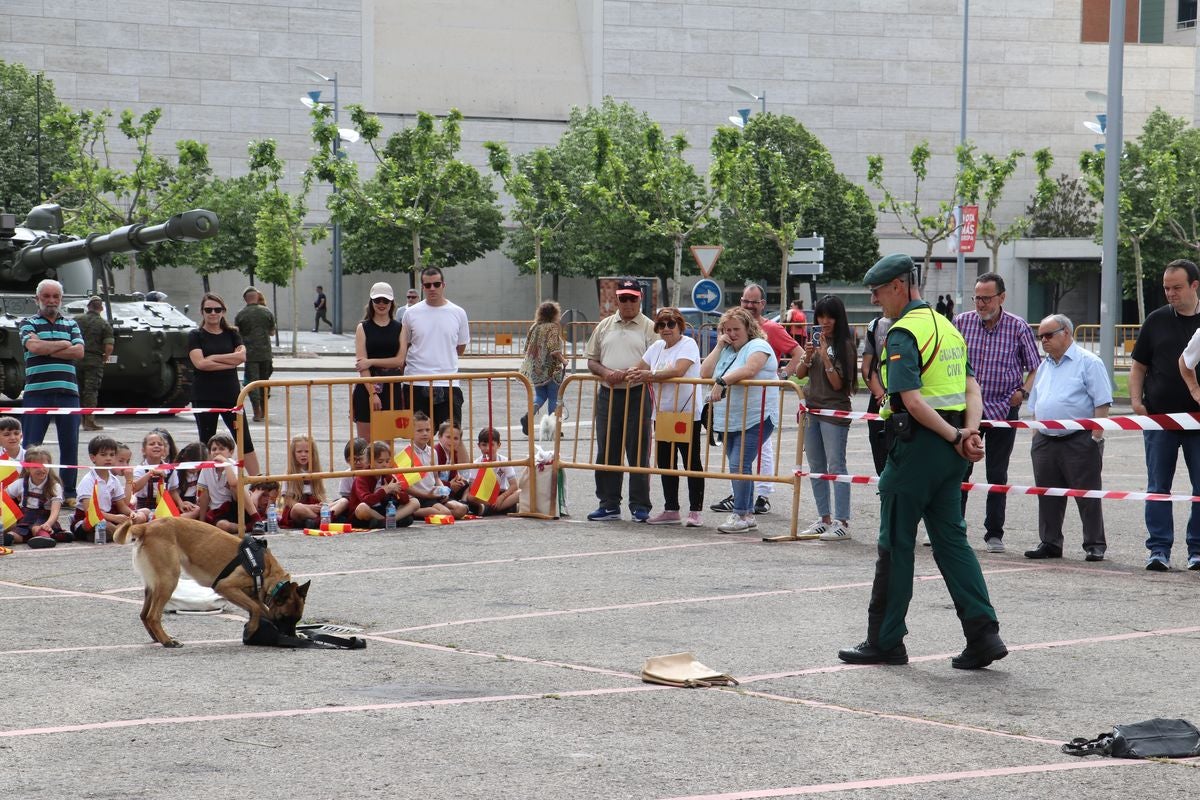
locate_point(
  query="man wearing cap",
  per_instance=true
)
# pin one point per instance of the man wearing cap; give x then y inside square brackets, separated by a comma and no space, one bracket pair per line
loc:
[321,304]
[622,411]
[932,408]
[97,347]
[256,324]
[436,332]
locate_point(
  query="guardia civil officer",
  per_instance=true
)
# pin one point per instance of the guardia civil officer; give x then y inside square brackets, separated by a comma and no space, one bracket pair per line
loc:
[932,408]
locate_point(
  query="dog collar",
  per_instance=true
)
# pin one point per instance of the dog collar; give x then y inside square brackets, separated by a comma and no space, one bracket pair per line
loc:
[271,594]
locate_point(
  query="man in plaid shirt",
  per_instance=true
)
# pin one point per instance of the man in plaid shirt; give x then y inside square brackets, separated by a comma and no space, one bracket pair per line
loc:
[1003,352]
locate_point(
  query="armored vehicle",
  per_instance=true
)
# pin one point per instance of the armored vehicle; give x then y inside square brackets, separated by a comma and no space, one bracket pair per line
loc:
[149,365]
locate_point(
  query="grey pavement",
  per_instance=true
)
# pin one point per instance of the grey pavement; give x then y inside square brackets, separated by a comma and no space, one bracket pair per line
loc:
[503,657]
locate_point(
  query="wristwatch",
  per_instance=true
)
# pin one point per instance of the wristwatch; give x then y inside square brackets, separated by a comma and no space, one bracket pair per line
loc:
[957,436]
[720,382]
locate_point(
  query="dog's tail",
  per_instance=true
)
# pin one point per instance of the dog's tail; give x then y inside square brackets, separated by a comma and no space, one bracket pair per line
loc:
[125,532]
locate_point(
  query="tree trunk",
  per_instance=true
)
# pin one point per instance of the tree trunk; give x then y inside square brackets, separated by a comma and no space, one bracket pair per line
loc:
[416,245]
[149,279]
[784,250]
[925,265]
[1137,276]
[677,281]
[554,286]
[204,282]
[537,270]
[295,300]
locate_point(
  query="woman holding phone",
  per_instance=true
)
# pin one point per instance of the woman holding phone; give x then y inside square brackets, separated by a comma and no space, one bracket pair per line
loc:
[830,364]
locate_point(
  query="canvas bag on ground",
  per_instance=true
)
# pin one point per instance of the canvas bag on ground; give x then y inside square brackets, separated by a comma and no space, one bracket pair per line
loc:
[684,671]
[547,486]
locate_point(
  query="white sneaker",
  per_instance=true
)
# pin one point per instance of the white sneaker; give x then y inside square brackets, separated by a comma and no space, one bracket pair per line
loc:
[836,533]
[737,524]
[818,528]
[925,539]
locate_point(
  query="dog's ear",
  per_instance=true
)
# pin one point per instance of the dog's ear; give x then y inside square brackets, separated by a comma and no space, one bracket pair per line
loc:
[302,590]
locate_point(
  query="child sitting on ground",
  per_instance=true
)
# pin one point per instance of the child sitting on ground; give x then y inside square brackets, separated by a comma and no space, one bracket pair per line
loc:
[357,457]
[423,484]
[372,493]
[216,487]
[38,493]
[507,489]
[189,479]
[10,449]
[302,497]
[109,492]
[449,450]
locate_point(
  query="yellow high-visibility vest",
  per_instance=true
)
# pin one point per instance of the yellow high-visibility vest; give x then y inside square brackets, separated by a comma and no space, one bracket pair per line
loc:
[943,354]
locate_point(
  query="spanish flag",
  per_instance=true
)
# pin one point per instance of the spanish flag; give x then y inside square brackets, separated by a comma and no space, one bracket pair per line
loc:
[7,474]
[94,515]
[486,486]
[10,512]
[166,506]
[408,458]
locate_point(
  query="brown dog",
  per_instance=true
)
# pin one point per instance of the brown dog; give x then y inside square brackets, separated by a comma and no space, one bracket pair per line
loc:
[164,546]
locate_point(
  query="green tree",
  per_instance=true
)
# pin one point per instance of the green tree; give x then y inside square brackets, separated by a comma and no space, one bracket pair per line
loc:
[279,224]
[97,195]
[444,210]
[541,202]
[982,179]
[1068,212]
[1148,183]
[28,109]
[236,202]
[671,201]
[926,226]
[840,211]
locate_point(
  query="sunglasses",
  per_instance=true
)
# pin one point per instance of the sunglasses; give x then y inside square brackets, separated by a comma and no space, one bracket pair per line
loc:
[214,310]
[1045,337]
[381,301]
[664,323]
[432,285]
[628,298]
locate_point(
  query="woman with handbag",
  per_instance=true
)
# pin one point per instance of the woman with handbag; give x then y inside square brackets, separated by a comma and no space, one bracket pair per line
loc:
[376,351]
[676,413]
[830,363]
[543,360]
[746,415]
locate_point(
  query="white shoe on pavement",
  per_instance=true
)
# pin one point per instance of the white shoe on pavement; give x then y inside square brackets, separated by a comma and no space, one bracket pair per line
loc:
[738,524]
[836,533]
[818,528]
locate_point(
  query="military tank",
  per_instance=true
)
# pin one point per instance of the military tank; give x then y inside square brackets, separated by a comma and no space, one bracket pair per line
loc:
[149,365]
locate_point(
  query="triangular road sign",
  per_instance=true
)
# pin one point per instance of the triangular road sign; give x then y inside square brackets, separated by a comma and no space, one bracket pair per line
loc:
[706,256]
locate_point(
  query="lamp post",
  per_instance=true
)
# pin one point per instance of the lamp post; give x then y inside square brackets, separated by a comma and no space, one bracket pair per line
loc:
[335,287]
[1110,312]
[749,95]
[960,260]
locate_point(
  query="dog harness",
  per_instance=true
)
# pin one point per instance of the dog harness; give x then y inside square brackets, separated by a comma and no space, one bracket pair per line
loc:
[250,557]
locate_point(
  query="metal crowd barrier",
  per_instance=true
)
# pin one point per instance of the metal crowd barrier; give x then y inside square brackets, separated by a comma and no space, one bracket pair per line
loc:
[502,396]
[1088,337]
[580,393]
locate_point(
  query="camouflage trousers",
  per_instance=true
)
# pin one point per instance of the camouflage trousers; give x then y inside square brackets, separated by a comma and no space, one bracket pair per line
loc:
[259,370]
[90,373]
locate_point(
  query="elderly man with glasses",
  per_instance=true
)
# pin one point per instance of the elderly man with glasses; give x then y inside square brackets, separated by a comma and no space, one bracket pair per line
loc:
[436,332]
[1071,383]
[1004,355]
[614,349]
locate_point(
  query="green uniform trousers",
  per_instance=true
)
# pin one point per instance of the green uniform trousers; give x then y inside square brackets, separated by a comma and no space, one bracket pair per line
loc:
[90,374]
[922,480]
[258,370]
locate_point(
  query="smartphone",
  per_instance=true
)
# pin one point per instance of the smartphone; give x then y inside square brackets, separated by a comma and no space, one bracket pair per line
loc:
[816,337]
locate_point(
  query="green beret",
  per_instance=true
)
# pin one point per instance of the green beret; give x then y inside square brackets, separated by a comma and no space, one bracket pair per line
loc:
[890,267]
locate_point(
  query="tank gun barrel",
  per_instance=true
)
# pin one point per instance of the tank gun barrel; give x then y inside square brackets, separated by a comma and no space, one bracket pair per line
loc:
[190,226]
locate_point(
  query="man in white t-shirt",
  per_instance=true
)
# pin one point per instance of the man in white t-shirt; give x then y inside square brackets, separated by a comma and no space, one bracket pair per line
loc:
[435,334]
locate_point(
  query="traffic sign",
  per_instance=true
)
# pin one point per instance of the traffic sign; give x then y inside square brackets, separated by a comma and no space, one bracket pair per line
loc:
[807,256]
[707,295]
[706,256]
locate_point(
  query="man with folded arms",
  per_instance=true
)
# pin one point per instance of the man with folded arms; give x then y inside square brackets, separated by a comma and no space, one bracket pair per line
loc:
[1071,383]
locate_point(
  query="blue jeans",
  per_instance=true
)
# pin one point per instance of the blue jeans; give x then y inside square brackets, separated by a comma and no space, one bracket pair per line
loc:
[825,448]
[1162,451]
[546,393]
[741,450]
[35,425]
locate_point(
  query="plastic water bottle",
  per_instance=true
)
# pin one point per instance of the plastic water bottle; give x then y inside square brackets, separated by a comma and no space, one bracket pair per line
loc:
[272,519]
[325,516]
[101,532]
[389,521]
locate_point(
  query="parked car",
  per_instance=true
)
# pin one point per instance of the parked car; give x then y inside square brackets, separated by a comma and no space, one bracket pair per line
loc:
[701,326]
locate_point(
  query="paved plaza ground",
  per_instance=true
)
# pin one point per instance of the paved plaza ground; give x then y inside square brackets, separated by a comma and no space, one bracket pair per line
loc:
[503,660]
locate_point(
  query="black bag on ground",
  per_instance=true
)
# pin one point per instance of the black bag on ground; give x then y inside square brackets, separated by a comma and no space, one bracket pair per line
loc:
[1154,738]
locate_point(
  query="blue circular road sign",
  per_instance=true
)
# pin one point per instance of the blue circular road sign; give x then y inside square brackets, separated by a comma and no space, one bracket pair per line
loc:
[707,295]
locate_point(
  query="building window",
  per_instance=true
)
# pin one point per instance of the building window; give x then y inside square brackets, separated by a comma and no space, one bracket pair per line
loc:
[1187,14]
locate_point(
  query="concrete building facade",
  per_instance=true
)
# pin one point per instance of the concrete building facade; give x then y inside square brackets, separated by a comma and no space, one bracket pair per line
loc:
[866,77]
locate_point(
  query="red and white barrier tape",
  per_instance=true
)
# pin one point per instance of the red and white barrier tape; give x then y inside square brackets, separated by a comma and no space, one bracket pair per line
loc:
[1133,422]
[998,488]
[116,411]
[6,464]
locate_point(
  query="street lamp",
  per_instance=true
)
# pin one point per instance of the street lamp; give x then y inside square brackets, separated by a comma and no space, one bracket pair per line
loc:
[743,116]
[749,95]
[336,284]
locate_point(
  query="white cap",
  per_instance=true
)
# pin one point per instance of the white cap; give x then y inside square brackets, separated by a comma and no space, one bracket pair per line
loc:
[382,289]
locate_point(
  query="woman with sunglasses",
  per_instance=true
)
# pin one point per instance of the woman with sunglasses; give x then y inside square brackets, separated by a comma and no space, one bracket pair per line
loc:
[216,351]
[675,356]
[376,350]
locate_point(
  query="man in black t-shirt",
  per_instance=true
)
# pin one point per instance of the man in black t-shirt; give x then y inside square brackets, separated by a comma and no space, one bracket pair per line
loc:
[1156,387]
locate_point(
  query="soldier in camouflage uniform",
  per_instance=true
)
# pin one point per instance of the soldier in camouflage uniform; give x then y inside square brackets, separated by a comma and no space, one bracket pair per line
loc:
[97,347]
[256,324]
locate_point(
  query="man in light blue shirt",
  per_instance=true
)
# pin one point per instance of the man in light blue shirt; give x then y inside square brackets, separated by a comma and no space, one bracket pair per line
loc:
[1071,383]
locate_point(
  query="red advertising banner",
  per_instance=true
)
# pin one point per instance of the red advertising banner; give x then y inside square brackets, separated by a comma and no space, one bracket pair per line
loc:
[970,223]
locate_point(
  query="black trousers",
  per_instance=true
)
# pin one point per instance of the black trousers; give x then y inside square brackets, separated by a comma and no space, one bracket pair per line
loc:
[617,431]
[997,449]
[1074,461]
[689,456]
